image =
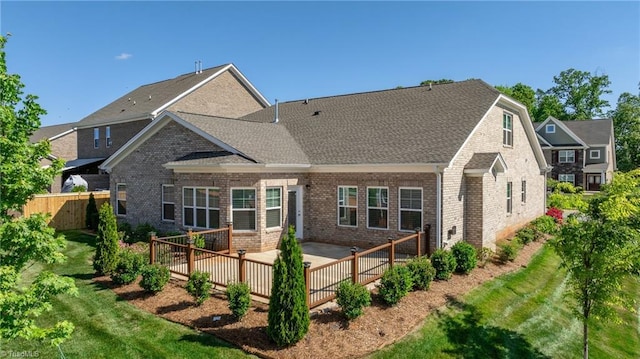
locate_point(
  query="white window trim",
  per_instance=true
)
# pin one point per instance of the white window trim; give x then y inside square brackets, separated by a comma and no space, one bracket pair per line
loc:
[566,157]
[108,136]
[279,208]
[164,219]
[255,209]
[509,195]
[507,129]
[591,154]
[96,137]
[195,207]
[571,175]
[550,128]
[400,209]
[346,206]
[378,208]
[118,199]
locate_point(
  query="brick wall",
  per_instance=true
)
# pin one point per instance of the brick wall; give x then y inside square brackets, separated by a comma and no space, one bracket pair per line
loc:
[120,134]
[568,168]
[65,147]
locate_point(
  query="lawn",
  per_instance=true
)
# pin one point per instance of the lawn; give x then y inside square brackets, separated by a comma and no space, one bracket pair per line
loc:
[519,315]
[107,327]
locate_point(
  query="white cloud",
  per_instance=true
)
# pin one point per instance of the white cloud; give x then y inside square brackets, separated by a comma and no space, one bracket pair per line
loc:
[123,56]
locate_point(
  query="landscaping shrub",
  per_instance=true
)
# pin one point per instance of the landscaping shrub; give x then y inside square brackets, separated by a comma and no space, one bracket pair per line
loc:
[567,201]
[198,242]
[106,258]
[125,231]
[141,234]
[352,298]
[395,284]
[288,317]
[555,213]
[444,263]
[465,255]
[199,286]
[92,217]
[128,268]
[154,277]
[526,235]
[508,252]
[484,254]
[545,224]
[80,188]
[239,296]
[565,187]
[551,184]
[422,272]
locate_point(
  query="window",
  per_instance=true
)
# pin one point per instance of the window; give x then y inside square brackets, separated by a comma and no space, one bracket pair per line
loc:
[274,207]
[168,202]
[523,193]
[96,137]
[550,128]
[348,206]
[507,129]
[243,203]
[509,200]
[567,177]
[378,207]
[121,199]
[594,154]
[410,208]
[201,207]
[108,136]
[567,156]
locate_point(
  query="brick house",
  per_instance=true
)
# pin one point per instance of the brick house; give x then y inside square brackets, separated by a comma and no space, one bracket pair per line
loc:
[581,152]
[63,140]
[221,90]
[460,160]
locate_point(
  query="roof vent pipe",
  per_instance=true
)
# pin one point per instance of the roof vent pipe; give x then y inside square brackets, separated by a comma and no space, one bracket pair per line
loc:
[196,66]
[429,86]
[200,66]
[275,118]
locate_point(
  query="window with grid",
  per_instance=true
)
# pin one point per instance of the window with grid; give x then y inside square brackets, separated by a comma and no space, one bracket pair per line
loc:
[348,206]
[201,207]
[243,205]
[567,156]
[507,129]
[274,207]
[378,207]
[121,199]
[410,206]
[168,203]
[96,137]
[567,177]
[108,136]
[509,197]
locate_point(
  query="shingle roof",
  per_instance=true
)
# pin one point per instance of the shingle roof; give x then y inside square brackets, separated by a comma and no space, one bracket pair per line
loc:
[50,131]
[202,160]
[142,101]
[408,125]
[481,161]
[597,131]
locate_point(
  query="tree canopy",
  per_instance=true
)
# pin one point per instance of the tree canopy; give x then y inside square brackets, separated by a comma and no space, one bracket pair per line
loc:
[626,124]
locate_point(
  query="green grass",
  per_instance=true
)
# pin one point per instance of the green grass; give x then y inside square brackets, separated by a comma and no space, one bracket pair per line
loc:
[520,315]
[107,327]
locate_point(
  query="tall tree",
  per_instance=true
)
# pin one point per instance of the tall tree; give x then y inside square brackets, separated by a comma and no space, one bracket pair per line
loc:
[522,93]
[580,94]
[25,240]
[547,105]
[626,124]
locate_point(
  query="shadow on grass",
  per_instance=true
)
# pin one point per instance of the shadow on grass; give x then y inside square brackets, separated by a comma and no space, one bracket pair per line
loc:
[472,338]
[79,236]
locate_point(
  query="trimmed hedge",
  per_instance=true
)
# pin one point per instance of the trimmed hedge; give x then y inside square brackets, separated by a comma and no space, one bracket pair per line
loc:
[128,268]
[396,283]
[465,255]
[199,286]
[239,296]
[154,278]
[422,271]
[444,263]
[352,298]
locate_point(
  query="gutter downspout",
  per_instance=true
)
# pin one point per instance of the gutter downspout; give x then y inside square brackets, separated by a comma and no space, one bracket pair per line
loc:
[438,208]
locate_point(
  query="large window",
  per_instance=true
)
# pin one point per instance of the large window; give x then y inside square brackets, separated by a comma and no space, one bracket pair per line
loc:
[243,203]
[567,177]
[121,199]
[348,206]
[507,129]
[523,192]
[378,207]
[96,137]
[168,203]
[509,197]
[201,207]
[567,156]
[274,207]
[108,136]
[410,208]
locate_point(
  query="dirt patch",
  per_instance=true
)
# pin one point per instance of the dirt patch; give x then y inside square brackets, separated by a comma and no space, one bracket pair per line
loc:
[330,335]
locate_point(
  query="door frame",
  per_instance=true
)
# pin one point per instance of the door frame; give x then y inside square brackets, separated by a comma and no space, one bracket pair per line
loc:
[299,207]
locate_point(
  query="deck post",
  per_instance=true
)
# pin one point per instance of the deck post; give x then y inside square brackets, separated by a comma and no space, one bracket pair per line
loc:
[242,273]
[152,249]
[392,252]
[190,253]
[230,236]
[418,243]
[354,265]
[307,283]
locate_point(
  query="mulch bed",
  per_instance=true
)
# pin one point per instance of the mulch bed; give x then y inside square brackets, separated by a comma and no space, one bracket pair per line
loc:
[330,335]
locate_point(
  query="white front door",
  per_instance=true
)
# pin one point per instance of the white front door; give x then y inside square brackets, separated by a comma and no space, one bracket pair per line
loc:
[295,215]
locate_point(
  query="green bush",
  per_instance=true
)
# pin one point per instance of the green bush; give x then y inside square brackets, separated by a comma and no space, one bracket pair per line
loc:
[565,187]
[199,286]
[129,266]
[422,272]
[508,252]
[567,201]
[125,232]
[545,224]
[106,257]
[154,277]
[526,235]
[141,234]
[484,255]
[198,242]
[239,296]
[92,217]
[465,255]
[551,184]
[80,188]
[444,263]
[352,298]
[396,283]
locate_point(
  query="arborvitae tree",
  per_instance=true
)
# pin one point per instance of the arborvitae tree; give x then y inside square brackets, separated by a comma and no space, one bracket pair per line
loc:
[106,241]
[92,213]
[288,313]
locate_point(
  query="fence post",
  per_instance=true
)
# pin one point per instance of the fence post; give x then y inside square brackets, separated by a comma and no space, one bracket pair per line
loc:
[230,236]
[392,253]
[242,273]
[418,243]
[190,252]
[354,265]
[152,249]
[307,283]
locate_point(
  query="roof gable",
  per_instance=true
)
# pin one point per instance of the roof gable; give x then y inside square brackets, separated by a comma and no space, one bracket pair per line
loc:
[592,132]
[562,135]
[52,132]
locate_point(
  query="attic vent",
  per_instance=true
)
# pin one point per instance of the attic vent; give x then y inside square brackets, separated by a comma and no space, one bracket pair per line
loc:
[149,97]
[306,101]
[275,118]
[316,113]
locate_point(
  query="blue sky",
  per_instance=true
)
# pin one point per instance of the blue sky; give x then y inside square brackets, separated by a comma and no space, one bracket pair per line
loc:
[80,56]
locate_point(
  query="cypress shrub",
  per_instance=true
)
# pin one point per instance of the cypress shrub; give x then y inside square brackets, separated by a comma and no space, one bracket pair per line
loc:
[288,317]
[422,272]
[465,255]
[396,283]
[199,286]
[106,257]
[92,215]
[352,298]
[154,278]
[444,263]
[128,268]
[239,296]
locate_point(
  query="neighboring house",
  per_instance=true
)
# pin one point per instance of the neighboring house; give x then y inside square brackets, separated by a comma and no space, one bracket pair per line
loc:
[460,160]
[63,140]
[581,152]
[221,91]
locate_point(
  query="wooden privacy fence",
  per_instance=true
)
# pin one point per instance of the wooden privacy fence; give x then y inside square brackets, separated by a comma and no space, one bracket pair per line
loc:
[181,256]
[68,210]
